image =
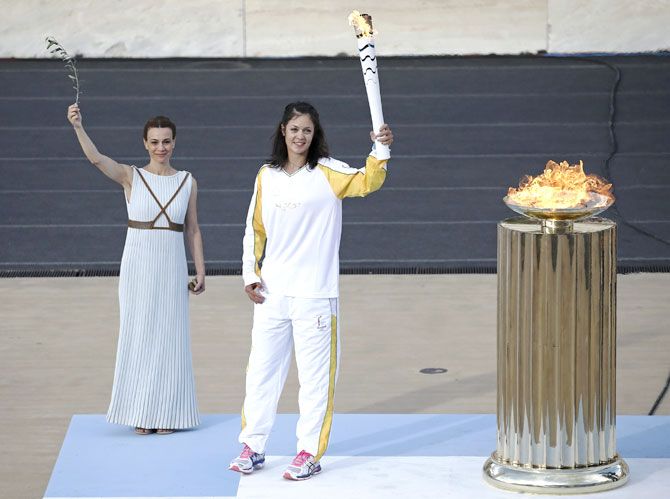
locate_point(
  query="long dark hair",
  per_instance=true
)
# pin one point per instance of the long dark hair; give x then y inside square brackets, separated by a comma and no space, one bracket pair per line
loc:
[160,122]
[317,149]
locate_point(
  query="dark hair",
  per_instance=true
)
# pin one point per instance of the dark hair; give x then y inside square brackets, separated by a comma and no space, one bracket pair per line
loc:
[160,122]
[317,149]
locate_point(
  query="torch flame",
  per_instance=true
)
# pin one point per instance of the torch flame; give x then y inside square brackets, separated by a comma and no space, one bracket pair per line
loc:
[362,24]
[561,186]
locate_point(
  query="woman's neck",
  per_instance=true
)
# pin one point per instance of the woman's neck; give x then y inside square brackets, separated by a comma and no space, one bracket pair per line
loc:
[294,162]
[160,168]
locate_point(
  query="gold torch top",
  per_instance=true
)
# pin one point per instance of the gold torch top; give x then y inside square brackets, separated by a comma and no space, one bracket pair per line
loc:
[362,24]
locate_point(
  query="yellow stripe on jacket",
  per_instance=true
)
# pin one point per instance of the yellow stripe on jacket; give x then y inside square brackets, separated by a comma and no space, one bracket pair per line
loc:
[351,182]
[255,237]
[260,236]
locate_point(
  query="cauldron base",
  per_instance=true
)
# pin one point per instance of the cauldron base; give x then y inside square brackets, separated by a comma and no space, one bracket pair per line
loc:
[556,481]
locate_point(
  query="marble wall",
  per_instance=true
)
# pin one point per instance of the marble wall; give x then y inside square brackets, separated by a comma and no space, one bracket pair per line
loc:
[123,28]
[429,27]
[608,26]
[292,28]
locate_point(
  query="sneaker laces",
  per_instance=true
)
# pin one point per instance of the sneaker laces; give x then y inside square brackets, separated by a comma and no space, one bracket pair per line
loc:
[246,452]
[301,458]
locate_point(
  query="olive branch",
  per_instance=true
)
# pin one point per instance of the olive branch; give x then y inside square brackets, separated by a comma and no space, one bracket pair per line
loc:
[60,52]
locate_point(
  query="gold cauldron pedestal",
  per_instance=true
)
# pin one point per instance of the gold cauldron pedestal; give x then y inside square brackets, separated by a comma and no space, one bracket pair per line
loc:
[556,406]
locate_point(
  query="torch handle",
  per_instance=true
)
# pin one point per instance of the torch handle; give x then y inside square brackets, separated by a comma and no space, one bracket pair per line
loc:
[368,57]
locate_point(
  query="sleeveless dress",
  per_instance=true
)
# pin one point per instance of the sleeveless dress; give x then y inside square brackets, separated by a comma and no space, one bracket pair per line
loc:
[153,378]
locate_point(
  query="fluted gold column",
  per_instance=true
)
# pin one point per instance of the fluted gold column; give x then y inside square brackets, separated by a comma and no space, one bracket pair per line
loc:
[556,402]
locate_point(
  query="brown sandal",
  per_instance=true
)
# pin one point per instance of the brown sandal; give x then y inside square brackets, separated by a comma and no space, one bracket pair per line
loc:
[143,431]
[164,431]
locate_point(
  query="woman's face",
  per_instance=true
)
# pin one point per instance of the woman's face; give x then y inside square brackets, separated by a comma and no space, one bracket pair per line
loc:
[298,133]
[160,144]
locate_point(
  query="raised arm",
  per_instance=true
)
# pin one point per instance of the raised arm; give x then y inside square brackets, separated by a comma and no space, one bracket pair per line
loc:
[122,174]
[194,239]
[351,182]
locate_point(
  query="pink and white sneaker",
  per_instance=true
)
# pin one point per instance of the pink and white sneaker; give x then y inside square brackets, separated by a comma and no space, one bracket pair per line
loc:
[302,467]
[247,461]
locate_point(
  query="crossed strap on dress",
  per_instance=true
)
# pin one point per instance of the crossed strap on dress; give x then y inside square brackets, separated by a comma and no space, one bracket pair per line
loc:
[152,225]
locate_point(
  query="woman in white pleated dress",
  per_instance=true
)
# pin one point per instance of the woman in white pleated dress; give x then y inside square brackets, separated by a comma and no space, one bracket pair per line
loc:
[154,389]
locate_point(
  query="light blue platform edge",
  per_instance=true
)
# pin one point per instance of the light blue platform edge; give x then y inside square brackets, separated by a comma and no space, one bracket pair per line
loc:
[99,459]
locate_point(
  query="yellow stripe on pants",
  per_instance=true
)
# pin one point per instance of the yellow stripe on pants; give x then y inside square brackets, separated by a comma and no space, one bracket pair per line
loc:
[324,435]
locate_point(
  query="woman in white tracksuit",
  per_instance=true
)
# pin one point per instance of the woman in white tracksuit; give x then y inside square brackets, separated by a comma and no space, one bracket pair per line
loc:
[290,268]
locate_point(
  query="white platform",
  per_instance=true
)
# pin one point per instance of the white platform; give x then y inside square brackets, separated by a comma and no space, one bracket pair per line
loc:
[400,477]
[370,456]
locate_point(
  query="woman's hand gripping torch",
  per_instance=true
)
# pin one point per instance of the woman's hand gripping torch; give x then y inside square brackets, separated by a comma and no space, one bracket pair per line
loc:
[362,24]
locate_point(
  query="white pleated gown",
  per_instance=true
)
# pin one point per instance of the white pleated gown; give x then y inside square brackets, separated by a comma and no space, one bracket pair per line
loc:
[153,377]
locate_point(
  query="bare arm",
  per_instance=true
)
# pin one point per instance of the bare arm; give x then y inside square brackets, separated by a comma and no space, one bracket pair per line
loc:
[194,239]
[119,173]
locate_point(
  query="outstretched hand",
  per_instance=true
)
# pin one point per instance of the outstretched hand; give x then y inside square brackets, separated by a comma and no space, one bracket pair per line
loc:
[74,115]
[385,135]
[253,291]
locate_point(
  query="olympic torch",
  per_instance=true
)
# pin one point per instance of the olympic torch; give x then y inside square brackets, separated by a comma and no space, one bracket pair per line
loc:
[362,24]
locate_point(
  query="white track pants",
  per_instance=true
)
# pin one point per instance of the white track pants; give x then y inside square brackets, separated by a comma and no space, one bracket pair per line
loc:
[280,323]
